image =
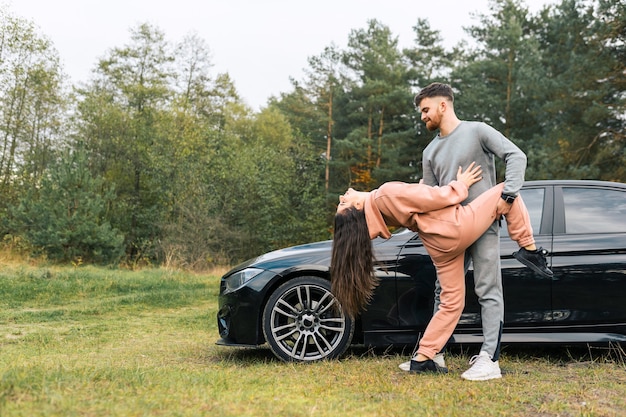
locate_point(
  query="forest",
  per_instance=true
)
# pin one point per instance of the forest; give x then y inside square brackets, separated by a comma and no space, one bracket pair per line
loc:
[156,160]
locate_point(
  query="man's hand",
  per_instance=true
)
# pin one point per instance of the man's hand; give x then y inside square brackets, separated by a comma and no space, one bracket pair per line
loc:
[503,207]
[471,175]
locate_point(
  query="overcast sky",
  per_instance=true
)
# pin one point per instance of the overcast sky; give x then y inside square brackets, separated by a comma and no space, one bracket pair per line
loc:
[260,43]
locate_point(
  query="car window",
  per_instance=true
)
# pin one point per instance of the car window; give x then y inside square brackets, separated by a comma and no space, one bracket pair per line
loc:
[597,210]
[533,199]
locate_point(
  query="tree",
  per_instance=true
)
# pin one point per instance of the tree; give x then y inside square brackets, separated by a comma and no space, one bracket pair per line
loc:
[323,85]
[551,83]
[31,104]
[376,138]
[428,61]
[611,29]
[494,84]
[267,188]
[122,114]
[502,80]
[65,217]
[583,99]
[310,107]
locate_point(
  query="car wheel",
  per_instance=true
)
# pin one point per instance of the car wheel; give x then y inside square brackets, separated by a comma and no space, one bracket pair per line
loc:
[303,321]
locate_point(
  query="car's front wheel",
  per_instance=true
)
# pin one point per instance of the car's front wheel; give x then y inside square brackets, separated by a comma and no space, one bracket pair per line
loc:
[303,321]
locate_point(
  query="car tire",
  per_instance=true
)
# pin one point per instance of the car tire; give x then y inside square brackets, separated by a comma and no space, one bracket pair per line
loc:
[303,321]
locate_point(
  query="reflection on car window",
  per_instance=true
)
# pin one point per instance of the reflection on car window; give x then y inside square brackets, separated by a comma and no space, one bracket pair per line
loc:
[594,210]
[533,199]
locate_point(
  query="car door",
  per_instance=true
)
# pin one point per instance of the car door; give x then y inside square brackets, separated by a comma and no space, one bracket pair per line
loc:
[589,256]
[527,296]
[415,283]
[413,299]
[386,311]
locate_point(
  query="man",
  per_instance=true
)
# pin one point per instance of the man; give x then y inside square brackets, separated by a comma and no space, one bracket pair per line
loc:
[460,143]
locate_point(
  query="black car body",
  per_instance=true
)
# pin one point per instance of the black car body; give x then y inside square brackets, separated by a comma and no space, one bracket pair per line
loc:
[283,297]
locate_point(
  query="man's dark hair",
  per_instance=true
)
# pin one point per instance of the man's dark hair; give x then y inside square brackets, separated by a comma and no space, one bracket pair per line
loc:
[434,90]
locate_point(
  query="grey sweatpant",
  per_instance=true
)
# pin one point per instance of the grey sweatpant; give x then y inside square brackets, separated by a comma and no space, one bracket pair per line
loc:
[485,253]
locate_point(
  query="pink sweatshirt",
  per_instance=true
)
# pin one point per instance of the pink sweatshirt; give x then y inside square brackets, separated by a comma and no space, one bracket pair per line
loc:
[430,210]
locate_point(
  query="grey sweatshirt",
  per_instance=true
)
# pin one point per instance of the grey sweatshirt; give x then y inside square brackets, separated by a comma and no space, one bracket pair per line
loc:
[473,142]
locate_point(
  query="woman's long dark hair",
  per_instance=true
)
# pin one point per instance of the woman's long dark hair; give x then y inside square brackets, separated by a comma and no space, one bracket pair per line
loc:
[352,263]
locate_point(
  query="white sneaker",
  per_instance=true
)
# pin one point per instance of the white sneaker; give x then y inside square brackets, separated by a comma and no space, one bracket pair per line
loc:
[438,359]
[483,368]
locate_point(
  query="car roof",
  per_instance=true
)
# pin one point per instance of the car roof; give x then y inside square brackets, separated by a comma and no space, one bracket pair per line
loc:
[595,183]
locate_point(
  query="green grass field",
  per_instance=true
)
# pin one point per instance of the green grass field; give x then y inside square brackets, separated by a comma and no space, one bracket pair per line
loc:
[100,342]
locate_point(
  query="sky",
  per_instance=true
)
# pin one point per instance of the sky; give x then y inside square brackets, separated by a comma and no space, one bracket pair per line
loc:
[259,43]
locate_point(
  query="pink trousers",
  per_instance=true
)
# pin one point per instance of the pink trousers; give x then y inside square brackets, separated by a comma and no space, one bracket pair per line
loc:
[472,221]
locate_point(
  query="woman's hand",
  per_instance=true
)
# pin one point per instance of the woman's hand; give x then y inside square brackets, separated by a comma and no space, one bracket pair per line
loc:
[471,175]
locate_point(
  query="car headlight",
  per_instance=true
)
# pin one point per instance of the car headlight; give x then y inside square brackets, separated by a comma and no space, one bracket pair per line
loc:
[238,279]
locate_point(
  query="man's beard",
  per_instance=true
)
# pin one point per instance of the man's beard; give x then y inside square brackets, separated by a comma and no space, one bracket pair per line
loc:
[431,125]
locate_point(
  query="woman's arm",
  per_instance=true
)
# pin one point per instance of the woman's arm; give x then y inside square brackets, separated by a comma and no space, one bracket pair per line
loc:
[400,197]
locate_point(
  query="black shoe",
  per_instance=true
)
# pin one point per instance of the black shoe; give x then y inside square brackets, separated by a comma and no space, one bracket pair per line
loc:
[535,260]
[427,366]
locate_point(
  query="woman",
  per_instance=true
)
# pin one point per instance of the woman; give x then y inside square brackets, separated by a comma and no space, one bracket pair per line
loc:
[445,227]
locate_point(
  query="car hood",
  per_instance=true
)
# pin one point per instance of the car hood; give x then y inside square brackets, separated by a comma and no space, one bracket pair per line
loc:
[315,255]
[311,253]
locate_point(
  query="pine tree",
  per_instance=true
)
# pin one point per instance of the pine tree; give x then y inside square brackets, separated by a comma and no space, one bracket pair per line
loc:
[64,217]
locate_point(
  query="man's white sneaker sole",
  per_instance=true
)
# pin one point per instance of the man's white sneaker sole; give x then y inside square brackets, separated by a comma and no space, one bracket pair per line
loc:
[483,368]
[482,378]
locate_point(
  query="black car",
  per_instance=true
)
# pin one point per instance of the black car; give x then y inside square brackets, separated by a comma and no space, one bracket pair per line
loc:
[283,297]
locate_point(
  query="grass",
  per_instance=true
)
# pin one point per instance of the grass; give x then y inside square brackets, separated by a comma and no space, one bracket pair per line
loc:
[98,342]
